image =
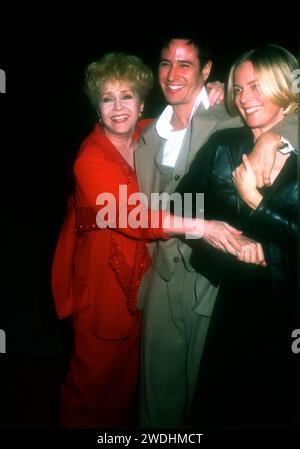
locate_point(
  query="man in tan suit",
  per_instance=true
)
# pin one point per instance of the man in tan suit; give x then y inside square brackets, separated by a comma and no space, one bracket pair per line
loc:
[177,302]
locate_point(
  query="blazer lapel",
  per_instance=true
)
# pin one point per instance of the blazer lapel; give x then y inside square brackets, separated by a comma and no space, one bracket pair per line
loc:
[145,154]
[202,126]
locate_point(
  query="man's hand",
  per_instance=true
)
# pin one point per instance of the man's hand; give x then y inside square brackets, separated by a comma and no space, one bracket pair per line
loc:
[263,156]
[216,92]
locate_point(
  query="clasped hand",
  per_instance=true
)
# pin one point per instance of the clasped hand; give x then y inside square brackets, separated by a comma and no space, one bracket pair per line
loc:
[262,157]
[228,239]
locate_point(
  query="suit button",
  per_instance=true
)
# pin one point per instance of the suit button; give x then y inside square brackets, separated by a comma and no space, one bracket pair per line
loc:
[176,259]
[176,177]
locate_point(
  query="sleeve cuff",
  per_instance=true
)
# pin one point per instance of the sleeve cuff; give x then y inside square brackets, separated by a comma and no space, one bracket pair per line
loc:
[286,147]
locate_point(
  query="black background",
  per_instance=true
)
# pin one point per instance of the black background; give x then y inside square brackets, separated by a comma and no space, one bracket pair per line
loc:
[44,116]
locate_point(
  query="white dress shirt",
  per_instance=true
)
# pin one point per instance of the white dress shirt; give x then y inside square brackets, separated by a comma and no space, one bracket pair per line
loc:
[174,139]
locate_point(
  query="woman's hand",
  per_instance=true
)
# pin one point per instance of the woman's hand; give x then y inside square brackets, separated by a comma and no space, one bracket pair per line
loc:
[245,182]
[216,92]
[222,236]
[230,240]
[262,157]
[252,252]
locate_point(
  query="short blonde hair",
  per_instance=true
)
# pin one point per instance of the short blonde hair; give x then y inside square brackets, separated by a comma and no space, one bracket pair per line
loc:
[117,67]
[274,66]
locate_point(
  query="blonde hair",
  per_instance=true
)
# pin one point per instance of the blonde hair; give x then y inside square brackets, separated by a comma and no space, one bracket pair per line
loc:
[274,66]
[117,67]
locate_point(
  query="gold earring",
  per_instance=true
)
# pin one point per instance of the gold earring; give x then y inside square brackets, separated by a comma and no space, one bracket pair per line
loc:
[141,114]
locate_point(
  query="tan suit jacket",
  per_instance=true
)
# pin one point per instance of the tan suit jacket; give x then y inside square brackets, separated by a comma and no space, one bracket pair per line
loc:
[202,125]
[166,254]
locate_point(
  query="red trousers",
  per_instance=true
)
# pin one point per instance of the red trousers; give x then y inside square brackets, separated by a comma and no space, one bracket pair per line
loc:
[100,389]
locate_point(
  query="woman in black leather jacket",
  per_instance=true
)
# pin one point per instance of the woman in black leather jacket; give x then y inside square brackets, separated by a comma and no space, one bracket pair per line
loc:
[247,374]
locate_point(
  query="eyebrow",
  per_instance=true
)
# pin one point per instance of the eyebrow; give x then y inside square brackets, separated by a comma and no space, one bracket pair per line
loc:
[177,60]
[250,82]
[121,91]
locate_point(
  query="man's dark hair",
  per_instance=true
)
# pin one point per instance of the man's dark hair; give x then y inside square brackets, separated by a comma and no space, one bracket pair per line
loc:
[203,51]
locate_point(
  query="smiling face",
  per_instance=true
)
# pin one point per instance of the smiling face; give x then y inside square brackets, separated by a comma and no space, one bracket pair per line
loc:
[119,107]
[259,112]
[180,76]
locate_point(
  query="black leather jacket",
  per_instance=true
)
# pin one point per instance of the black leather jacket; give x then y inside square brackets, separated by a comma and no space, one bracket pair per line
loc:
[273,223]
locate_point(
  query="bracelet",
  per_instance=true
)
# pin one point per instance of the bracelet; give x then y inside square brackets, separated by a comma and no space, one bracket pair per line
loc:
[285,147]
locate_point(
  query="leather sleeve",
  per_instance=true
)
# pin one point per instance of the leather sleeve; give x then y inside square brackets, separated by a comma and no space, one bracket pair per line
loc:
[205,259]
[195,180]
[273,223]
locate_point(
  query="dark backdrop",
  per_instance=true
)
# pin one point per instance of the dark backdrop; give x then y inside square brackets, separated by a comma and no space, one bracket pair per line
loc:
[45,115]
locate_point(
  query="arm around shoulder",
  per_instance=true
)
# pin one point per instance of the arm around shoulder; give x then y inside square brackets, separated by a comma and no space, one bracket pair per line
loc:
[288,128]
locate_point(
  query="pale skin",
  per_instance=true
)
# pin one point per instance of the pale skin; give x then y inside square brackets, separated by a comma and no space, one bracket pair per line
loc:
[215,92]
[260,115]
[181,78]
[263,157]
[119,109]
[218,234]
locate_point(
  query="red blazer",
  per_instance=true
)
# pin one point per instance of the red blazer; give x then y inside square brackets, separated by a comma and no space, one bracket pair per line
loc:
[100,268]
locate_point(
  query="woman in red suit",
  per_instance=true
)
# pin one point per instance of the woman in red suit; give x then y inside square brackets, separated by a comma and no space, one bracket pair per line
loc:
[96,272]
[98,267]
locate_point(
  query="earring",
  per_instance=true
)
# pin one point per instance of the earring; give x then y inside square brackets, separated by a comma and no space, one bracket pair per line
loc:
[141,114]
[100,118]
